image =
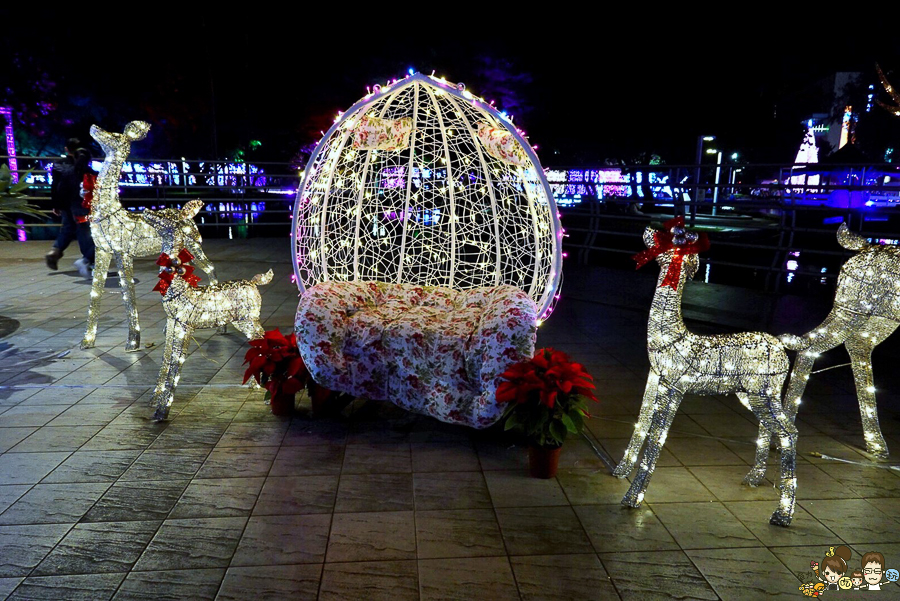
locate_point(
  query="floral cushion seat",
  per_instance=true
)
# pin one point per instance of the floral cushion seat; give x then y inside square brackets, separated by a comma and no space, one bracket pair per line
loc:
[428,349]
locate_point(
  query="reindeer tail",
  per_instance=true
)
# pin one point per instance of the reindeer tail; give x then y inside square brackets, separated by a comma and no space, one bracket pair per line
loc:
[190,210]
[849,240]
[261,279]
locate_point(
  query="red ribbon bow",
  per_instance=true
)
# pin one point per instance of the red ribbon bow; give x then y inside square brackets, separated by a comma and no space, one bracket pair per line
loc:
[167,274]
[664,241]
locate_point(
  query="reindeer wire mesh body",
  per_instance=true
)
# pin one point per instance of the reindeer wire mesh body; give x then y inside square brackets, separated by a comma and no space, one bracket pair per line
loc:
[752,365]
[866,311]
[123,235]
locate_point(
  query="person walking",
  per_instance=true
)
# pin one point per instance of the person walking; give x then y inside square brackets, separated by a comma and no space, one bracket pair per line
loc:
[67,198]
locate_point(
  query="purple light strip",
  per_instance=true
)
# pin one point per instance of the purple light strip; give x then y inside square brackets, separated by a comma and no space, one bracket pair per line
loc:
[10,144]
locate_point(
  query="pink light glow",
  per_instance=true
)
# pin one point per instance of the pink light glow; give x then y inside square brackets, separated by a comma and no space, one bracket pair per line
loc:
[20,232]
[10,145]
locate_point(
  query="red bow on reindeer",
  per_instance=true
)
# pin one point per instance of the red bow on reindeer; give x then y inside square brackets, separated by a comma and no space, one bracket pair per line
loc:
[674,237]
[175,266]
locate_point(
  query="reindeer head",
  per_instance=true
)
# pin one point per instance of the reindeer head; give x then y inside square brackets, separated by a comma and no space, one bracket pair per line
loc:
[172,225]
[112,142]
[675,250]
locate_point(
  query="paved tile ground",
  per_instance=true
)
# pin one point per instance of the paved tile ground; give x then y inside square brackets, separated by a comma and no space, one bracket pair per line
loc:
[225,501]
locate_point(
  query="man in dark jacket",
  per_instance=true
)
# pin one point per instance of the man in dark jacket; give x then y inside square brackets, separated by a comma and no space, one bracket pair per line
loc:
[67,202]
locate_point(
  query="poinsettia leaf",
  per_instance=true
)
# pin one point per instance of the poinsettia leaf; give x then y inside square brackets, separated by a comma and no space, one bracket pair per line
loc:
[577,421]
[558,431]
[568,423]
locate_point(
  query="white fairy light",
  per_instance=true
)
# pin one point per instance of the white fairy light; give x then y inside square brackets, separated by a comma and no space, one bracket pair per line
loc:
[865,312]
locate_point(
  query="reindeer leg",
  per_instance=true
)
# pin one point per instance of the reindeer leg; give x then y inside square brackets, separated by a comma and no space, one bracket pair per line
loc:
[640,430]
[758,472]
[770,414]
[125,264]
[860,350]
[203,262]
[803,365]
[178,337]
[669,400]
[101,266]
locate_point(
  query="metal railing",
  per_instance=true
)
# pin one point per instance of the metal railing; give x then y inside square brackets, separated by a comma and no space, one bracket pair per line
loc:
[772,226]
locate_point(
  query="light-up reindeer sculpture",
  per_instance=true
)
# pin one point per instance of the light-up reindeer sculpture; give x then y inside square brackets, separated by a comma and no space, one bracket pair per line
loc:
[189,307]
[124,235]
[752,365]
[866,311]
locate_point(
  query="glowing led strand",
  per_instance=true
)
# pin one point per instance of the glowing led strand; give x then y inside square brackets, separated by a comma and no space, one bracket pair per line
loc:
[753,365]
[866,311]
[124,235]
[189,307]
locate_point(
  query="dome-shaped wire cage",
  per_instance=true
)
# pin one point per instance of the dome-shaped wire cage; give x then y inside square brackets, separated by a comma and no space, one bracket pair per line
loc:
[437,208]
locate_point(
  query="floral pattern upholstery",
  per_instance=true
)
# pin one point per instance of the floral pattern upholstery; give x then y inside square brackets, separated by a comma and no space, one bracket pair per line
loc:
[501,144]
[430,350]
[374,133]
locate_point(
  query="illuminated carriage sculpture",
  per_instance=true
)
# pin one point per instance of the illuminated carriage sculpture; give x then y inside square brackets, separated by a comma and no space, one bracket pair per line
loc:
[427,247]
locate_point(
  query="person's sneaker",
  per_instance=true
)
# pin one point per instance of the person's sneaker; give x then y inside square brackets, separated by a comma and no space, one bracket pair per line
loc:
[53,258]
[83,267]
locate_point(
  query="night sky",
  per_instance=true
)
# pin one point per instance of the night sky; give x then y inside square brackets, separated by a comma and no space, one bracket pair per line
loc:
[590,87]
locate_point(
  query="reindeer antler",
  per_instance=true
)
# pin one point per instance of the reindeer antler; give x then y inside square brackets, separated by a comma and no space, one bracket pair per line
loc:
[890,90]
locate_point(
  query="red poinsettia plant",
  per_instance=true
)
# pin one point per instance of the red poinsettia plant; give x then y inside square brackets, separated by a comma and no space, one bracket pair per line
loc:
[276,364]
[548,397]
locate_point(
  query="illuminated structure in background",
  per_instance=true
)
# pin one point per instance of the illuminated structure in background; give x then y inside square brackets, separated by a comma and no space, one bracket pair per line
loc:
[10,144]
[848,121]
[443,208]
[125,235]
[752,365]
[866,311]
[807,155]
[895,97]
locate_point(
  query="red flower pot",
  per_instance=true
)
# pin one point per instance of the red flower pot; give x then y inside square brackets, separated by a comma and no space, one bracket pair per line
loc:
[282,404]
[543,461]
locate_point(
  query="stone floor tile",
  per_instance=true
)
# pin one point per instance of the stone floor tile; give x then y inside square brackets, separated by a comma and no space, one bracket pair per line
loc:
[171,585]
[656,575]
[494,455]
[728,425]
[23,547]
[377,459]
[308,460]
[814,482]
[577,453]
[374,492]
[54,503]
[28,468]
[127,501]
[721,527]
[93,466]
[253,434]
[8,584]
[190,435]
[272,583]
[192,543]
[542,530]
[615,448]
[458,533]
[796,559]
[239,462]
[517,489]
[169,464]
[804,529]
[56,438]
[556,577]
[116,437]
[450,490]
[614,528]
[10,437]
[466,579]
[592,486]
[739,574]
[87,414]
[370,580]
[104,547]
[295,495]
[30,415]
[866,482]
[372,536]
[218,497]
[726,483]
[82,587]
[315,432]
[855,520]
[676,485]
[695,451]
[444,457]
[283,539]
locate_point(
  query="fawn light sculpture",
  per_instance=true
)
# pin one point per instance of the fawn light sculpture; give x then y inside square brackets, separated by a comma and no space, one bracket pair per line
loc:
[125,235]
[753,365]
[866,311]
[189,307]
